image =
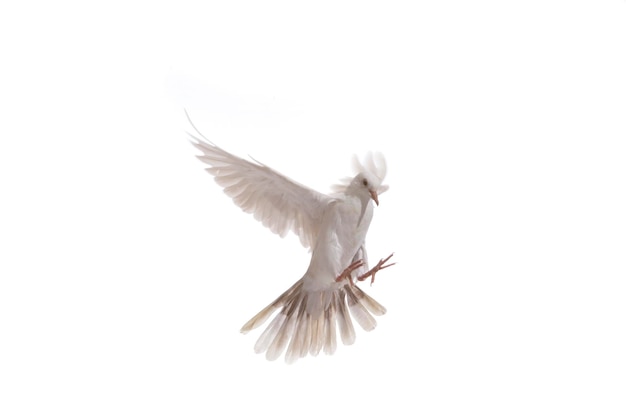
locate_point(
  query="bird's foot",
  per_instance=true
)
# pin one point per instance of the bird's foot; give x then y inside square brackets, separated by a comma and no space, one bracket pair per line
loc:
[347,273]
[372,272]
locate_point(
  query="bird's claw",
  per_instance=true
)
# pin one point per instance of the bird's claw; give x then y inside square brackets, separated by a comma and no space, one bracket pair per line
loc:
[372,272]
[347,273]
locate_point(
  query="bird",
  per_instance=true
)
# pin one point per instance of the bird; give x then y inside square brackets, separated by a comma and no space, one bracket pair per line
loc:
[332,226]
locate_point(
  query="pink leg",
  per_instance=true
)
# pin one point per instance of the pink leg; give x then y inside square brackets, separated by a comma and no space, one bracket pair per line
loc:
[347,273]
[372,272]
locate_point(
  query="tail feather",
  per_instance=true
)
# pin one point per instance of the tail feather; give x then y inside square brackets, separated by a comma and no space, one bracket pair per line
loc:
[330,337]
[306,321]
[284,299]
[308,328]
[368,302]
[299,335]
[359,312]
[284,333]
[317,335]
[270,332]
[346,329]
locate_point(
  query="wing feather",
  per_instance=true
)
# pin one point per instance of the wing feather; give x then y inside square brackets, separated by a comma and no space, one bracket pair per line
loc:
[279,203]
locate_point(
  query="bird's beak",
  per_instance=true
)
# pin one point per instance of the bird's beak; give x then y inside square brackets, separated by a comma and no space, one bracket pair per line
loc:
[374,196]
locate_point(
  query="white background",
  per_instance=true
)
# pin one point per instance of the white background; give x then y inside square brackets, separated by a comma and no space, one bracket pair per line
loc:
[125,272]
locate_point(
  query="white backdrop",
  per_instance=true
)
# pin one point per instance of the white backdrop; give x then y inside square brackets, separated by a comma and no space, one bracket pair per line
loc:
[125,273]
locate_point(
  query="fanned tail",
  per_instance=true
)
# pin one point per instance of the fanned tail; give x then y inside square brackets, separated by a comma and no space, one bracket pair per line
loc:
[307,321]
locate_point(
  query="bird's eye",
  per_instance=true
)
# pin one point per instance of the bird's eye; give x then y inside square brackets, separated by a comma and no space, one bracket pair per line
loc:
[365,183]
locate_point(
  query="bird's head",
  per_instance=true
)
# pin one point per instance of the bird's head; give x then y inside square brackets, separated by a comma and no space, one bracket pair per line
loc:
[368,181]
[364,185]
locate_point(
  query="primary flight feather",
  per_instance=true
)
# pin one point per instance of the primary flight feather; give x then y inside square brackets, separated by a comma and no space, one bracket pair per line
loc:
[332,226]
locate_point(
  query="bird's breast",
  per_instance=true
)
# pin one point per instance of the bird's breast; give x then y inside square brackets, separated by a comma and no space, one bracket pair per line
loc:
[341,235]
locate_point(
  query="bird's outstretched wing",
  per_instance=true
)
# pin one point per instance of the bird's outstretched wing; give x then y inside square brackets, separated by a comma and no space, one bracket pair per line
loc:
[278,202]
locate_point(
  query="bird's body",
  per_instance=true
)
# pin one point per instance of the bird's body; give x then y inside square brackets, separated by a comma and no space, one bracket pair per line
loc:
[340,230]
[333,226]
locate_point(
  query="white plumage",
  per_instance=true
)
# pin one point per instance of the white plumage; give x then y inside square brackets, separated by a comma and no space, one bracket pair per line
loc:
[332,226]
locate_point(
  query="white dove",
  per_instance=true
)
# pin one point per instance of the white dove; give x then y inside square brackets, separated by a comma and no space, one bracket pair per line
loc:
[332,226]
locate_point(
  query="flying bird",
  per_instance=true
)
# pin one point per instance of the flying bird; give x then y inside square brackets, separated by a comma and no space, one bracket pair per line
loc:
[333,227]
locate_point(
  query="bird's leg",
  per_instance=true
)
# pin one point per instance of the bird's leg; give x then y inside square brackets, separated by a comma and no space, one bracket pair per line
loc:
[372,272]
[347,273]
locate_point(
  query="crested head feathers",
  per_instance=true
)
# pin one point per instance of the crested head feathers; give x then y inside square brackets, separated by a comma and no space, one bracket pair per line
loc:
[373,166]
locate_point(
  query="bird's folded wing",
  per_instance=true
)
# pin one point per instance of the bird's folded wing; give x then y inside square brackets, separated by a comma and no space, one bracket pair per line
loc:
[278,202]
